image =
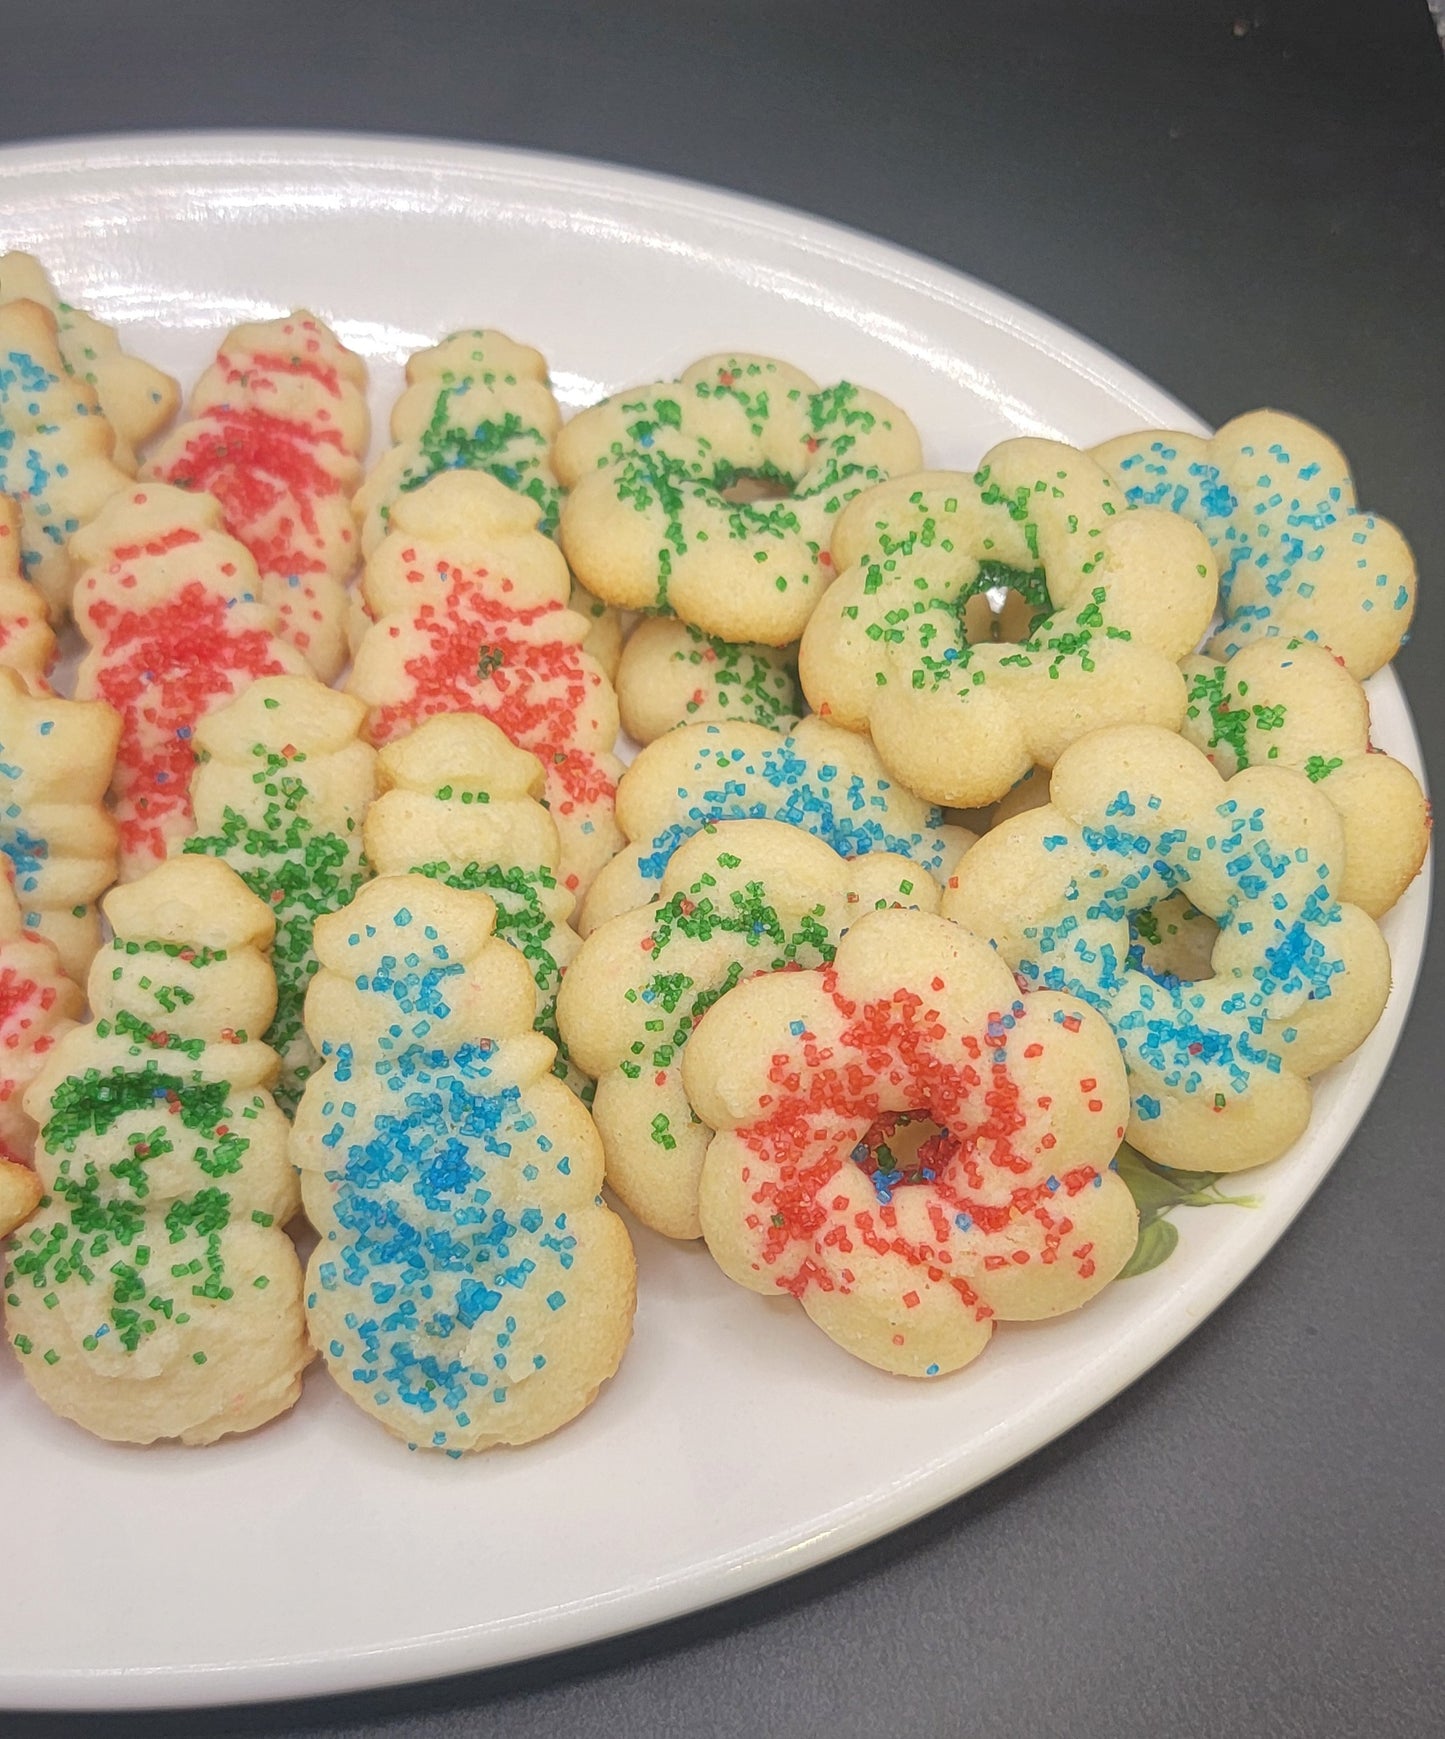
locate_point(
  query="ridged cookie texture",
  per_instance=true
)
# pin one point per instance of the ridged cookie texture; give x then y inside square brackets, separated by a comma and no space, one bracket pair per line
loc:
[280,794]
[673,674]
[277,432]
[136,398]
[655,519]
[27,641]
[1219,1067]
[1298,558]
[910,1146]
[1124,595]
[738,899]
[824,780]
[470,1288]
[461,804]
[155,1293]
[170,605]
[469,607]
[57,451]
[38,1002]
[56,759]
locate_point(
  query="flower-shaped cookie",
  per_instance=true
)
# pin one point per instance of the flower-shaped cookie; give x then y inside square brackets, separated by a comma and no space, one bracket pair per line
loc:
[1287,703]
[155,1293]
[469,607]
[909,1147]
[280,794]
[470,1287]
[277,433]
[826,781]
[737,899]
[673,674]
[887,650]
[663,514]
[461,804]
[1297,557]
[171,606]
[1218,1067]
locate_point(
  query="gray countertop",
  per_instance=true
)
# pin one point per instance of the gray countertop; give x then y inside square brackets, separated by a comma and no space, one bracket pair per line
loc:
[1245,203]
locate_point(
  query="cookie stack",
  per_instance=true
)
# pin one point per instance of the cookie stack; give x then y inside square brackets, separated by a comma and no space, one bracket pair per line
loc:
[953,887]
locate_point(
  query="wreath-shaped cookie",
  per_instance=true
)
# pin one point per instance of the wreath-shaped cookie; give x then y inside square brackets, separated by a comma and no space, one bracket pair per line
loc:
[1218,1067]
[1286,703]
[1122,597]
[909,1146]
[1297,557]
[470,1287]
[656,520]
[737,899]
[826,781]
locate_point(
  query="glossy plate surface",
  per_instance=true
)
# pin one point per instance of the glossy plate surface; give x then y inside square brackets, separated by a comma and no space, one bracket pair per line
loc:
[737,1445]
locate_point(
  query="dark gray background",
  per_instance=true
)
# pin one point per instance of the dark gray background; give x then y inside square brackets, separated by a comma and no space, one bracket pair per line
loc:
[1245,202]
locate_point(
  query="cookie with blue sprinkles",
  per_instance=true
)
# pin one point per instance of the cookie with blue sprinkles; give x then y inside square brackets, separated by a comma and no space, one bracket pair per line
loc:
[470,1288]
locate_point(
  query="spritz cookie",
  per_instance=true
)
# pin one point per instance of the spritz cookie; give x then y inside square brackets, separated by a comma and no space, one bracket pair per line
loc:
[826,781]
[463,805]
[673,674]
[1128,595]
[277,432]
[155,1293]
[1288,703]
[136,398]
[712,496]
[280,793]
[470,1287]
[1297,557]
[27,641]
[469,608]
[1218,1067]
[739,898]
[910,1146]
[170,605]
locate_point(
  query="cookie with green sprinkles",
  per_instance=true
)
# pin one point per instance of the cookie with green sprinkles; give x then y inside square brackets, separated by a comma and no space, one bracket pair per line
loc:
[462,804]
[1125,595]
[470,1287]
[280,793]
[1289,703]
[155,1294]
[712,497]
[673,674]
[737,899]
[826,781]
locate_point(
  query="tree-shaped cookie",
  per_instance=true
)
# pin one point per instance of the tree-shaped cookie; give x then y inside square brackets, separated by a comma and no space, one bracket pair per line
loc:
[155,1294]
[277,432]
[171,608]
[479,401]
[280,794]
[469,607]
[27,641]
[136,398]
[37,1003]
[56,448]
[470,1287]
[909,1146]
[462,804]
[56,760]
[738,899]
